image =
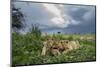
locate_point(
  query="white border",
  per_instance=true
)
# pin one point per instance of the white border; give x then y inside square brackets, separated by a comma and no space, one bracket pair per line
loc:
[5,33]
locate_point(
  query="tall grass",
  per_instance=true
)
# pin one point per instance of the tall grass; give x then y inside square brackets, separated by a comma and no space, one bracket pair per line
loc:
[26,50]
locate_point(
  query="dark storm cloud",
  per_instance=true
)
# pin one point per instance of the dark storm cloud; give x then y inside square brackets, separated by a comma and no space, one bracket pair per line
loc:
[76,19]
[76,12]
[86,15]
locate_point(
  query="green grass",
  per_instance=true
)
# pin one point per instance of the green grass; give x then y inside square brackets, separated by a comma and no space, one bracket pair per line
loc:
[26,50]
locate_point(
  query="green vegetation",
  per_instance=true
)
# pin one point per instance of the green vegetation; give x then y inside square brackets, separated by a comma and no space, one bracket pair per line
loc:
[26,49]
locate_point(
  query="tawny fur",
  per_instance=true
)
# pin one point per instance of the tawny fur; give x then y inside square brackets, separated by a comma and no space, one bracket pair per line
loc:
[58,47]
[55,52]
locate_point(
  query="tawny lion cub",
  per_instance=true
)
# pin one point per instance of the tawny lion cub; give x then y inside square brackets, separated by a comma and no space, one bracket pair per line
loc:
[47,45]
[71,45]
[51,46]
[58,47]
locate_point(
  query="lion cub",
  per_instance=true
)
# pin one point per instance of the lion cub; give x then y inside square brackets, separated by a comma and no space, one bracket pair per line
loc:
[71,45]
[58,47]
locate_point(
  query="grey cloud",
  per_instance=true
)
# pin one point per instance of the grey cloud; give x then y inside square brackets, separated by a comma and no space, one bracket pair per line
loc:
[36,14]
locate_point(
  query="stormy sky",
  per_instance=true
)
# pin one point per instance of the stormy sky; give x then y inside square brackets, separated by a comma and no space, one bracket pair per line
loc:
[53,18]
